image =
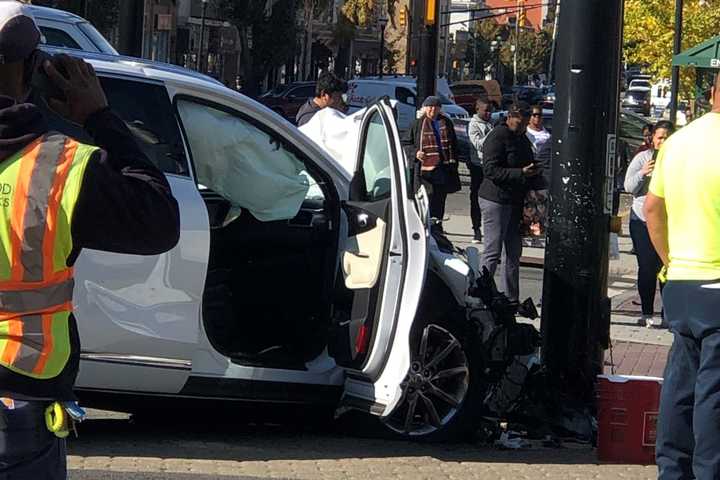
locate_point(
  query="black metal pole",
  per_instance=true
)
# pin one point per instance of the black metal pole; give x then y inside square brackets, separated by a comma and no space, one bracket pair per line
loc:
[576,310]
[199,65]
[677,45]
[427,59]
[382,46]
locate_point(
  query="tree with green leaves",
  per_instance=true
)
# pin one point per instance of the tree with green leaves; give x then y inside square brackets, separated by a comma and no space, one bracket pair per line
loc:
[533,49]
[649,33]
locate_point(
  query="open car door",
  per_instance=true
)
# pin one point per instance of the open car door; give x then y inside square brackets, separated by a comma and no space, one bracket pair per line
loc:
[383,265]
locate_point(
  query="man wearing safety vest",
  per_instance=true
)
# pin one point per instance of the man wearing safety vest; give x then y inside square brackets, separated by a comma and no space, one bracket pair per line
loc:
[58,196]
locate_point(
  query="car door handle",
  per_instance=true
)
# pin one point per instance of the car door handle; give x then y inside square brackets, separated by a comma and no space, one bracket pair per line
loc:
[359,254]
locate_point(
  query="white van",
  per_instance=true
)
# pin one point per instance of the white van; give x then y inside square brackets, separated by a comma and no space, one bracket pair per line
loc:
[364,92]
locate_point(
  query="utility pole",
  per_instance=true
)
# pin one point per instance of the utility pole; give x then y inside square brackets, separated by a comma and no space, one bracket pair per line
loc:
[427,58]
[575,325]
[677,45]
[551,67]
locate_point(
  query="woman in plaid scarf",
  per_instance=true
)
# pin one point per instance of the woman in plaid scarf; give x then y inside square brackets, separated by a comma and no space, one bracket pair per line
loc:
[434,144]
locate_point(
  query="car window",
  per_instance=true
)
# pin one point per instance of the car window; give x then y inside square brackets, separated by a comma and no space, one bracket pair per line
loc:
[250,166]
[376,160]
[405,95]
[58,38]
[302,93]
[147,111]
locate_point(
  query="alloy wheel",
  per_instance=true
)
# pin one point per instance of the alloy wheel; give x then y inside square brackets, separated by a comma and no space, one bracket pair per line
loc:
[435,387]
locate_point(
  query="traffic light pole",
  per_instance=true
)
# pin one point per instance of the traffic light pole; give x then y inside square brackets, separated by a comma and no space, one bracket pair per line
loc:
[675,76]
[427,57]
[575,323]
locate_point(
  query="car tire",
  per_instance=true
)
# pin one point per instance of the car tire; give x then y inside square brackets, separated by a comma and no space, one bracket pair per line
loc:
[459,376]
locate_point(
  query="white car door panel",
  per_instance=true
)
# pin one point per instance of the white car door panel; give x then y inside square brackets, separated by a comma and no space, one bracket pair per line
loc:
[379,193]
[138,316]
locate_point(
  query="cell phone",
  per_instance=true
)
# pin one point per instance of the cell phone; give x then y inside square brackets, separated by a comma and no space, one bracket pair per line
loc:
[40,82]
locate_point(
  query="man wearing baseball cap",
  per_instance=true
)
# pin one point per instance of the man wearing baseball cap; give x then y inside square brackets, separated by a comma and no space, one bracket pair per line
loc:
[58,196]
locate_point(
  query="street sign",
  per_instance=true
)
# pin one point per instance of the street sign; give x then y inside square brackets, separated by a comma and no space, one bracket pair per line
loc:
[610,160]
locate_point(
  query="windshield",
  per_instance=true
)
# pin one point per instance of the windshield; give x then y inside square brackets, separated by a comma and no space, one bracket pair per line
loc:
[638,94]
[96,38]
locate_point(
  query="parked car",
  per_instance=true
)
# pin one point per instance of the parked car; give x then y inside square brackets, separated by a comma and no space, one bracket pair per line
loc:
[64,29]
[637,99]
[287,99]
[468,91]
[529,94]
[365,92]
[279,257]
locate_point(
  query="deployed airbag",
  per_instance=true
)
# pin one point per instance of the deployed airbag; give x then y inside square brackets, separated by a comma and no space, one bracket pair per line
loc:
[245,165]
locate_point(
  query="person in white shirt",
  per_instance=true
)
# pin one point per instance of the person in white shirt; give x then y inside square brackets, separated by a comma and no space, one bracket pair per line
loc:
[535,212]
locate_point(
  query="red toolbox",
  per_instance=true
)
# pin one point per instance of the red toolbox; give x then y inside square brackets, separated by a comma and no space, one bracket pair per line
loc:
[627,417]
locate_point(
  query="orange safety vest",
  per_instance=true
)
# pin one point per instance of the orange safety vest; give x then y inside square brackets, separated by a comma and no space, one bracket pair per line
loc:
[39,187]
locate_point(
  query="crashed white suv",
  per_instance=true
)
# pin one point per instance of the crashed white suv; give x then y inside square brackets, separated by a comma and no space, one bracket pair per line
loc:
[293,280]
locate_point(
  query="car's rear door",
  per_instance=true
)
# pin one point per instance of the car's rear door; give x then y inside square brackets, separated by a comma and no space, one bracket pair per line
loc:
[138,316]
[383,265]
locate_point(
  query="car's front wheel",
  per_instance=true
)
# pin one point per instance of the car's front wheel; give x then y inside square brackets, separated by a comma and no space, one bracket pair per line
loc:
[442,392]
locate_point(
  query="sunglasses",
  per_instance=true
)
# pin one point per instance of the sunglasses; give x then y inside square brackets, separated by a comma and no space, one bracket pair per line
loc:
[536,115]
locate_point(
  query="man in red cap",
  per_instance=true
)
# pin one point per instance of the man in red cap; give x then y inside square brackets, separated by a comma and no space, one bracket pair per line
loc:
[58,196]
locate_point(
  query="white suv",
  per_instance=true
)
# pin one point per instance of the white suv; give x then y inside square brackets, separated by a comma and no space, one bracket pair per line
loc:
[295,279]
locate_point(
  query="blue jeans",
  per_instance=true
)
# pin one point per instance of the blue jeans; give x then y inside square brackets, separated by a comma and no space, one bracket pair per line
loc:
[688,430]
[28,451]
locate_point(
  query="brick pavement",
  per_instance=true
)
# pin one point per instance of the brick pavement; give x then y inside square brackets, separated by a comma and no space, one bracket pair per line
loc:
[636,359]
[139,453]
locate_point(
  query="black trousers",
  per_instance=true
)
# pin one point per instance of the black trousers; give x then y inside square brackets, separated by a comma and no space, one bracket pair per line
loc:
[437,197]
[688,429]
[649,264]
[476,178]
[27,449]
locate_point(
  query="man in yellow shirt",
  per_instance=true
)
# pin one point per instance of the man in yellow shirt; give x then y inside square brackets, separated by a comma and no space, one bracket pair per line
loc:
[683,218]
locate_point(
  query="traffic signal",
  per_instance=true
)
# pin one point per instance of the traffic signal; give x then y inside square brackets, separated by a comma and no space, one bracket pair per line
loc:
[430,12]
[522,13]
[402,20]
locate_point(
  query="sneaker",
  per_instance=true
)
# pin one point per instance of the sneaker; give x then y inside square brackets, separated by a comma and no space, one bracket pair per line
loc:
[477,236]
[321,363]
[650,321]
[645,321]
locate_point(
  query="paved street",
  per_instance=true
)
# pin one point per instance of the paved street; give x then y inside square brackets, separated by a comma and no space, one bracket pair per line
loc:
[116,449]
[112,447]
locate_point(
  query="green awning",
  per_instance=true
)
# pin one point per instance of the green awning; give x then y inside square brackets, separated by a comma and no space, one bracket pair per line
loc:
[705,55]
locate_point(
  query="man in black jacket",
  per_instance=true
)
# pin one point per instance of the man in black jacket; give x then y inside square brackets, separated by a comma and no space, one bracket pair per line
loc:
[508,168]
[124,205]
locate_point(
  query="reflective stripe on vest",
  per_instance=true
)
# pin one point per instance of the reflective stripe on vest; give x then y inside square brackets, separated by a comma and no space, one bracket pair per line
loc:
[35,285]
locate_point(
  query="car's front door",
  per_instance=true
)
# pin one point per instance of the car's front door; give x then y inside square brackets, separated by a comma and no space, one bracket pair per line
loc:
[383,264]
[138,316]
